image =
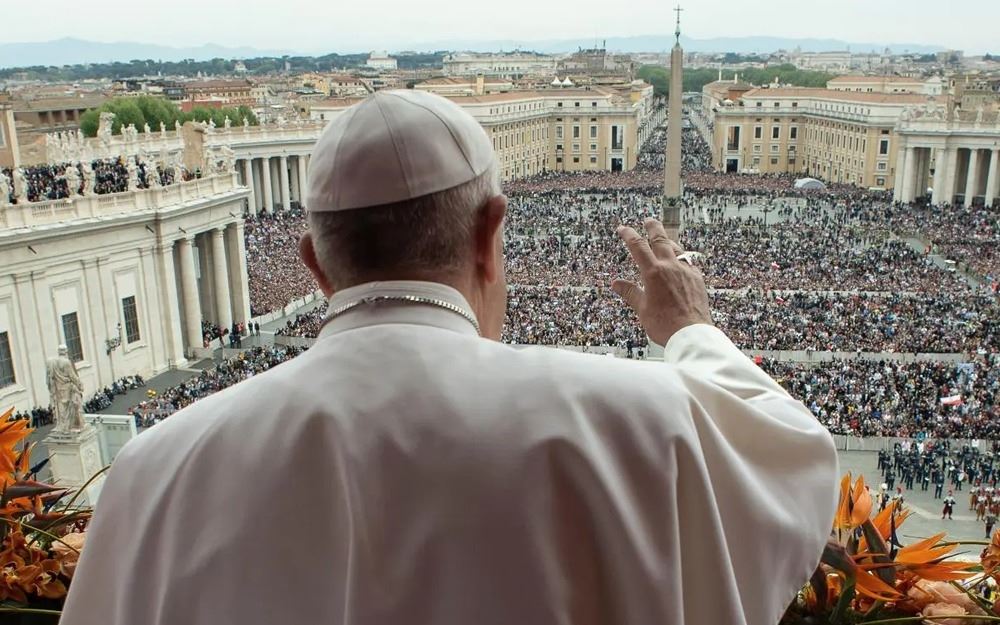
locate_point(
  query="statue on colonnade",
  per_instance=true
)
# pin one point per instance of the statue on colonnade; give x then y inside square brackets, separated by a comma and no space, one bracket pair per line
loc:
[65,391]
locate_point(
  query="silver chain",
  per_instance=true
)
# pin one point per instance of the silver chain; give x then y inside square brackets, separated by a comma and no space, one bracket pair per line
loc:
[410,299]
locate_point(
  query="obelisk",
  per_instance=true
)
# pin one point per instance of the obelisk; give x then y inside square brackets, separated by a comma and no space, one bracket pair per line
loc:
[675,126]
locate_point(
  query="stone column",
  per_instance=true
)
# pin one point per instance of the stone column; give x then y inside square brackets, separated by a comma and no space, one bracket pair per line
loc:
[286,195]
[248,181]
[265,170]
[223,305]
[301,160]
[189,289]
[940,165]
[951,172]
[897,185]
[258,185]
[170,310]
[972,179]
[239,285]
[993,177]
[909,173]
[293,180]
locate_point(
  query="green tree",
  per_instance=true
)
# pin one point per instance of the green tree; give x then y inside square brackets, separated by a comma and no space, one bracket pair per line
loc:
[153,110]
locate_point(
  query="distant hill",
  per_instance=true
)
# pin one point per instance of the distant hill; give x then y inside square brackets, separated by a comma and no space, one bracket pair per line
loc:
[71,51]
[658,43]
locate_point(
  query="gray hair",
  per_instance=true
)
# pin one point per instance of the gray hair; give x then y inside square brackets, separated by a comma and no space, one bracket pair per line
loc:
[428,234]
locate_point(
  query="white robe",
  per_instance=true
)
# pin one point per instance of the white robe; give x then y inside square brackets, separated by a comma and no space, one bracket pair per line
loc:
[404,471]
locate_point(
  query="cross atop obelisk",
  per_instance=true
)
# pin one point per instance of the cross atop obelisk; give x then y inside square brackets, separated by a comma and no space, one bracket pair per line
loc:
[677,33]
[675,121]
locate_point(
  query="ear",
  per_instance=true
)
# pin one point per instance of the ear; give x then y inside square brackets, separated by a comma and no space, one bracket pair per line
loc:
[489,238]
[308,255]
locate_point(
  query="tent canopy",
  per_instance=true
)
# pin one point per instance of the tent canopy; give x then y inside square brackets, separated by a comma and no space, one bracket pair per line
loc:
[809,184]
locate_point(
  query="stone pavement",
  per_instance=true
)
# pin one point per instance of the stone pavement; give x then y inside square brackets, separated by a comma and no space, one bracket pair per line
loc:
[926,518]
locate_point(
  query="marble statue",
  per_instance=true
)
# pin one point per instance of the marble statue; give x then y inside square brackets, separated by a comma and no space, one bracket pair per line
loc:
[954,115]
[20,185]
[979,114]
[146,129]
[4,189]
[177,125]
[105,127]
[227,163]
[227,122]
[163,130]
[133,174]
[72,177]
[88,178]
[65,391]
[246,123]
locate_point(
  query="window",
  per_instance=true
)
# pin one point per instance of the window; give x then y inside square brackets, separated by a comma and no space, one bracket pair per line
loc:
[774,161]
[775,132]
[795,105]
[593,132]
[593,119]
[793,133]
[559,132]
[879,182]
[593,160]
[577,104]
[6,362]
[576,132]
[774,149]
[558,159]
[593,147]
[576,159]
[576,147]
[776,105]
[71,336]
[882,166]
[756,161]
[131,319]
[559,104]
[593,104]
[883,147]
[756,148]
[758,132]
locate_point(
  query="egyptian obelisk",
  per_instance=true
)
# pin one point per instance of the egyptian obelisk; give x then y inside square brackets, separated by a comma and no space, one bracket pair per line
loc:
[675,123]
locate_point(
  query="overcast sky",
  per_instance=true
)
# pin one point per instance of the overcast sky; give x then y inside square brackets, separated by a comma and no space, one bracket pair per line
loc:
[335,25]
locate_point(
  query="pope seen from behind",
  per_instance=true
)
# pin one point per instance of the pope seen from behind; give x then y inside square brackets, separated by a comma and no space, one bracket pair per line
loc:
[409,469]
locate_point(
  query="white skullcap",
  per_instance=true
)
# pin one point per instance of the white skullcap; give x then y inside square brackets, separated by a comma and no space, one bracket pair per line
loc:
[395,146]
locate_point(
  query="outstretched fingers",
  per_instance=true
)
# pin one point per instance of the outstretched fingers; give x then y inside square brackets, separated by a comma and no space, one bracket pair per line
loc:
[638,247]
[659,242]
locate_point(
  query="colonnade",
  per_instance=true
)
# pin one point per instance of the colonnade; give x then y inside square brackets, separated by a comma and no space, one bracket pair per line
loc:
[275,182]
[219,294]
[954,174]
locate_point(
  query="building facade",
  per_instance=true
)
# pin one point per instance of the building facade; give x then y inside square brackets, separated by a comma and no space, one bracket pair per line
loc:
[509,65]
[123,280]
[838,136]
[949,158]
[564,129]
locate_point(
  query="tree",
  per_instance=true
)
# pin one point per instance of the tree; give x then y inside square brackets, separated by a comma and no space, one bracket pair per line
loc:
[153,110]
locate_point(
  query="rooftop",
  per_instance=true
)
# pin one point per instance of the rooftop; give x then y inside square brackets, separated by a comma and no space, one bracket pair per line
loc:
[833,94]
[875,79]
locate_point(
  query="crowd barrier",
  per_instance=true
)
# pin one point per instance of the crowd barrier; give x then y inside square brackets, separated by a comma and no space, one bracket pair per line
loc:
[818,356]
[290,309]
[875,443]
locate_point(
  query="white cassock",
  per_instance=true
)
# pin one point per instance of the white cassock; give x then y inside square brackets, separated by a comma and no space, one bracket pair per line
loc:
[404,471]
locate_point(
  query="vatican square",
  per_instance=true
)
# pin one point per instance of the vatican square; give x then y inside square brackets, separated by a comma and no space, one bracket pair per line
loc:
[437,314]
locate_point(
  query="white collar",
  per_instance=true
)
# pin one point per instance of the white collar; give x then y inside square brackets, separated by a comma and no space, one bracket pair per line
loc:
[399,312]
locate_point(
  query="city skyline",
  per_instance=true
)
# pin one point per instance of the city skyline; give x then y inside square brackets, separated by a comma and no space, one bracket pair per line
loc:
[342,28]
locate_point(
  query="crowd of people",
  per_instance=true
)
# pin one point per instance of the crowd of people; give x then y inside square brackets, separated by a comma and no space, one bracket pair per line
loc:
[247,364]
[109,175]
[275,274]
[907,399]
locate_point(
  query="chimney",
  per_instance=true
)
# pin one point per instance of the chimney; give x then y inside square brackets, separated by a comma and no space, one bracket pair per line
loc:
[480,84]
[720,74]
